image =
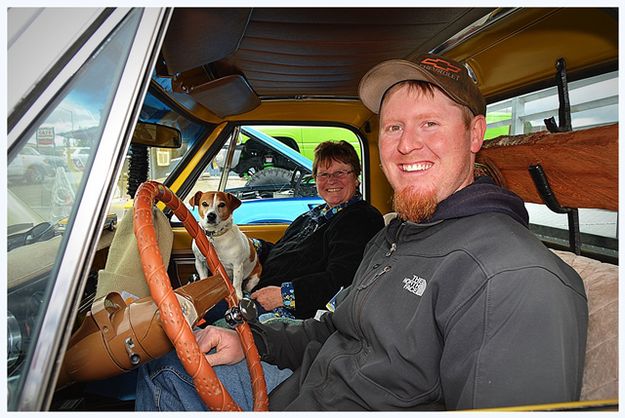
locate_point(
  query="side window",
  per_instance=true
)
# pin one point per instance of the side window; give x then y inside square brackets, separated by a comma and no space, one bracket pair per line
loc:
[47,175]
[270,169]
[594,102]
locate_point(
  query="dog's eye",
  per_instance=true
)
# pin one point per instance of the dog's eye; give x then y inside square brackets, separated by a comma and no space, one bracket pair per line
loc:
[205,204]
[221,205]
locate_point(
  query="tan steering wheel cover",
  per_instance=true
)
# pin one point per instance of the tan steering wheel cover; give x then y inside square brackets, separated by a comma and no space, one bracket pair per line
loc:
[206,382]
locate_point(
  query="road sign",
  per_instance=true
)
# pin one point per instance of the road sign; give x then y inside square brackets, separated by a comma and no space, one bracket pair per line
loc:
[45,136]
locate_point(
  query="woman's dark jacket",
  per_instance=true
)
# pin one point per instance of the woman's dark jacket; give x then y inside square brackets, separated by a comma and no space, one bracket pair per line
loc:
[324,261]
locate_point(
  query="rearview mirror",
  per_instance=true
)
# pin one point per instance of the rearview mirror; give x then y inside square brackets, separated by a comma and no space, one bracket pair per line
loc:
[155,135]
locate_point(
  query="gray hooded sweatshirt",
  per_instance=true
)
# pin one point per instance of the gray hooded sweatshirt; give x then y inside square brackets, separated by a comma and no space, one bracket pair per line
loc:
[467,310]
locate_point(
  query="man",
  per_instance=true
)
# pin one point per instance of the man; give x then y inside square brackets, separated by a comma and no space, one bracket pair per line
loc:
[455,305]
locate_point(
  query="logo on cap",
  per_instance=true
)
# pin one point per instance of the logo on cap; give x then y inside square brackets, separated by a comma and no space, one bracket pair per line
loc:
[441,64]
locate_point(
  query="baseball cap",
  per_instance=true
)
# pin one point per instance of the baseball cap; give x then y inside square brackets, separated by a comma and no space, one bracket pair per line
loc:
[449,75]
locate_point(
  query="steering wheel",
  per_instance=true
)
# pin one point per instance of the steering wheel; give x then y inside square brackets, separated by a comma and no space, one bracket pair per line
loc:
[296,180]
[210,389]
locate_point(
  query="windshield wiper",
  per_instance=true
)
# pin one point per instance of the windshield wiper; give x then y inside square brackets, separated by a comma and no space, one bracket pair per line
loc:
[40,232]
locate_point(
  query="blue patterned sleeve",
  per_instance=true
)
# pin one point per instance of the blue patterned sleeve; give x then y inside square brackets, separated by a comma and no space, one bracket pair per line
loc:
[288,295]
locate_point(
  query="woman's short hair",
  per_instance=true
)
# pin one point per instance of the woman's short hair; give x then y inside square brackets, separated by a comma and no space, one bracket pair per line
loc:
[341,151]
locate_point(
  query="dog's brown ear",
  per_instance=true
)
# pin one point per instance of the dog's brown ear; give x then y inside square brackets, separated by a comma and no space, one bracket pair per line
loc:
[233,201]
[195,199]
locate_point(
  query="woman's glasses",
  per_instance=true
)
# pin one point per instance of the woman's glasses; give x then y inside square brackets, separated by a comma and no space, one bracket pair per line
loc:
[339,175]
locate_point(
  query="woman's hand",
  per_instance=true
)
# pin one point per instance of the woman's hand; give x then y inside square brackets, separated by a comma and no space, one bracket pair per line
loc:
[225,341]
[269,297]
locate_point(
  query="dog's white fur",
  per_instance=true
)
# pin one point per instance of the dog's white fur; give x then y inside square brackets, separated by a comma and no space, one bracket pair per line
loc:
[235,251]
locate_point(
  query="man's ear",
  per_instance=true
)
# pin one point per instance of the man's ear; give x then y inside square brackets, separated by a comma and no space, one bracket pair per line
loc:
[478,129]
[233,201]
[195,199]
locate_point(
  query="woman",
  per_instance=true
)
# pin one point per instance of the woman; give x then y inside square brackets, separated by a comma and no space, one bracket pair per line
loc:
[321,250]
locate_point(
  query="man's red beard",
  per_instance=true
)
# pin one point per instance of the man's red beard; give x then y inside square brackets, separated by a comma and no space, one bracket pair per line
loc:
[415,205]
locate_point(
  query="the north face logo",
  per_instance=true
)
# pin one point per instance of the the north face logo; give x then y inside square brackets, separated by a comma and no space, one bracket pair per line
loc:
[415,285]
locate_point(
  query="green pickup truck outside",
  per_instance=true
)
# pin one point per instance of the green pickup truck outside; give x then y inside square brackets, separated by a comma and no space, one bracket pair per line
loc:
[304,139]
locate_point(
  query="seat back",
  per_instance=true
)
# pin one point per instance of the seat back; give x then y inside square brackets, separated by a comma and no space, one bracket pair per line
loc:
[601,367]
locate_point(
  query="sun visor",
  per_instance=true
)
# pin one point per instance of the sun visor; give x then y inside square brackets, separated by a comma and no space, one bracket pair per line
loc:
[226,96]
[196,37]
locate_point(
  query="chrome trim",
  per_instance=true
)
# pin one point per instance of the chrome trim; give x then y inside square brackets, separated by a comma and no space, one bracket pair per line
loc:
[471,73]
[35,58]
[14,340]
[228,161]
[65,75]
[472,30]
[31,56]
[39,381]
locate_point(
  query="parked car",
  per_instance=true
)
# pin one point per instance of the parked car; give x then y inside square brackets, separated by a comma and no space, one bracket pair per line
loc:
[218,74]
[32,167]
[80,157]
[281,189]
[277,184]
[304,139]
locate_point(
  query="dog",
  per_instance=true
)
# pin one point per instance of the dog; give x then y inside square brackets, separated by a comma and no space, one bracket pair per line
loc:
[235,251]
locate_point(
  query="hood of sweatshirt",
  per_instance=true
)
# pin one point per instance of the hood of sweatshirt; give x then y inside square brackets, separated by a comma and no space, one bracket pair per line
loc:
[481,196]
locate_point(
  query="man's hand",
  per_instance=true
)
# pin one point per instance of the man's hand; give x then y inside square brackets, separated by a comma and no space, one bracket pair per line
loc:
[269,297]
[225,341]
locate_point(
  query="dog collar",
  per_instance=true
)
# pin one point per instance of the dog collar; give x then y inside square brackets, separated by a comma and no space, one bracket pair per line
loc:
[220,232]
[214,234]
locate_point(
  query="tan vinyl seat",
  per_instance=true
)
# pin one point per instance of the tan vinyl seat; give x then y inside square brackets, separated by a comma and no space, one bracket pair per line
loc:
[601,367]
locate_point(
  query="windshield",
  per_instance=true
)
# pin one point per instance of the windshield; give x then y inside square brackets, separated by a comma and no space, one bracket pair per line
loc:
[158,163]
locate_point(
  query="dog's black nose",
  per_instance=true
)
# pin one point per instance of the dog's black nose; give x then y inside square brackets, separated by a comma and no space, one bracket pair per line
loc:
[210,217]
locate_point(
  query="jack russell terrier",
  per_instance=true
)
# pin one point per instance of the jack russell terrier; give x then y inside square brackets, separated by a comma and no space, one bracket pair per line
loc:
[235,251]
